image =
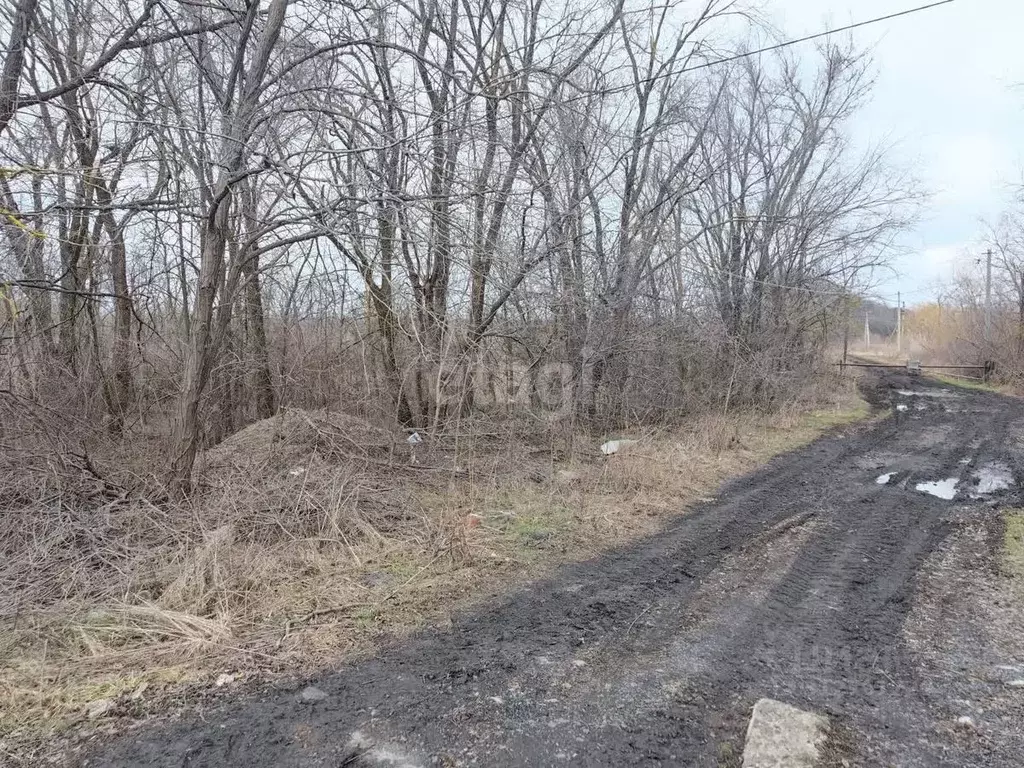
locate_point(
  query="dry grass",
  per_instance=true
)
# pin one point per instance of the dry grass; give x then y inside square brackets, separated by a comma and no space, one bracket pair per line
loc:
[315,533]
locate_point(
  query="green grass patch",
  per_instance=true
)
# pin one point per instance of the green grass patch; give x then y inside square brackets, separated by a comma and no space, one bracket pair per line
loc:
[533,530]
[955,381]
[848,413]
[401,568]
[529,522]
[780,435]
[367,616]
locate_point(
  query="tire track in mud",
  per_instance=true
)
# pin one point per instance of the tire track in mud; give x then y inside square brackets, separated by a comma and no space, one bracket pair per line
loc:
[795,584]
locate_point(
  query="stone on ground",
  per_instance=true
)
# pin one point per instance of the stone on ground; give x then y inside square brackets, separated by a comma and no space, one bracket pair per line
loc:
[782,736]
[311,695]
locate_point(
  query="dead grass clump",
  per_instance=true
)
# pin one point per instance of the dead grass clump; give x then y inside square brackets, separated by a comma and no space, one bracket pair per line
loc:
[199,584]
[315,476]
[261,552]
[131,627]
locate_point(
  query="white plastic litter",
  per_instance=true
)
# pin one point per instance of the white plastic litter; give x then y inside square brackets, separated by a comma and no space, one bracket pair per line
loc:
[614,446]
[414,439]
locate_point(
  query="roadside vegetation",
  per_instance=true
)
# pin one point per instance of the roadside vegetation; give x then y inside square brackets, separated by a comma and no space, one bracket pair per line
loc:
[967,383]
[980,316]
[280,571]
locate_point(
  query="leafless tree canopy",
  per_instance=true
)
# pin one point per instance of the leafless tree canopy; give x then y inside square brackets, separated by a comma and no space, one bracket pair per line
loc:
[426,209]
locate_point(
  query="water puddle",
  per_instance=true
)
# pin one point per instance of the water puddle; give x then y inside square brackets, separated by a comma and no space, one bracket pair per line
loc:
[944,489]
[993,477]
[926,393]
[990,478]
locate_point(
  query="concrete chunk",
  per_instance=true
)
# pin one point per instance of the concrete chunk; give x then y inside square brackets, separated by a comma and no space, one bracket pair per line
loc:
[782,736]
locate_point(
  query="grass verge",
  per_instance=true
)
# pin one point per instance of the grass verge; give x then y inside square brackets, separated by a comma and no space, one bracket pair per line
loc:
[304,552]
[972,384]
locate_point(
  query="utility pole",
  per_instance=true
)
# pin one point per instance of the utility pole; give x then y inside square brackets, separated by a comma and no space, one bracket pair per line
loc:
[846,330]
[899,323]
[988,294]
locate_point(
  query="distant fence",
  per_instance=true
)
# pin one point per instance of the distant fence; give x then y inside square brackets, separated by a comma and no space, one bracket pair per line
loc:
[985,370]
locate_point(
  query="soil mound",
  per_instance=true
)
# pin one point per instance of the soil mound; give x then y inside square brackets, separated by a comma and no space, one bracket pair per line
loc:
[290,440]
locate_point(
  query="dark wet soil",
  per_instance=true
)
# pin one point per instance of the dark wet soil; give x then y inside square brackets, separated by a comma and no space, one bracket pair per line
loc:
[795,584]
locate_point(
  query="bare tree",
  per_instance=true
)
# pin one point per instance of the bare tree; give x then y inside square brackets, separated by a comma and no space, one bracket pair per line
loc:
[421,210]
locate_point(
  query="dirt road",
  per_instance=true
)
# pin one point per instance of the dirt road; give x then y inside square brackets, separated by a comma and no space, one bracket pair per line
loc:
[812,581]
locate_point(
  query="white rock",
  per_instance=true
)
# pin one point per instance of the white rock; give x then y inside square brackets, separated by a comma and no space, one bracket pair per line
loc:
[311,695]
[614,446]
[373,753]
[782,735]
[98,708]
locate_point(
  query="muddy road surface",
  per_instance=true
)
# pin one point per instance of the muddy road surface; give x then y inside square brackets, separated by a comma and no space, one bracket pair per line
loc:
[857,578]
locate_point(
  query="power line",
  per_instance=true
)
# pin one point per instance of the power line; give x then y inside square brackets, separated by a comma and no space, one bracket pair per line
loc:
[826,33]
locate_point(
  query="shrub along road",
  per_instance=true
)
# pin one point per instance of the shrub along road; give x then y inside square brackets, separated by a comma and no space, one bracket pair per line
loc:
[810,581]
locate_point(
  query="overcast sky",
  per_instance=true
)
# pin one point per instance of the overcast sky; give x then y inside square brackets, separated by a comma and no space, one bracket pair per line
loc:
[948,93]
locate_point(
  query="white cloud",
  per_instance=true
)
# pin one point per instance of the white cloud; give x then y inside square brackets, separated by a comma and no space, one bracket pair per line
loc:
[924,275]
[945,91]
[967,169]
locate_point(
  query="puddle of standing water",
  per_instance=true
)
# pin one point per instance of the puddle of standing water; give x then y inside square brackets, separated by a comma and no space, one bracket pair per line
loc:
[993,477]
[944,489]
[927,393]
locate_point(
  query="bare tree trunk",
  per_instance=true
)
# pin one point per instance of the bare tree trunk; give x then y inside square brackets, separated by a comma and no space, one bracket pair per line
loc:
[216,229]
[259,355]
[121,352]
[27,243]
[1020,313]
[14,62]
[201,353]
